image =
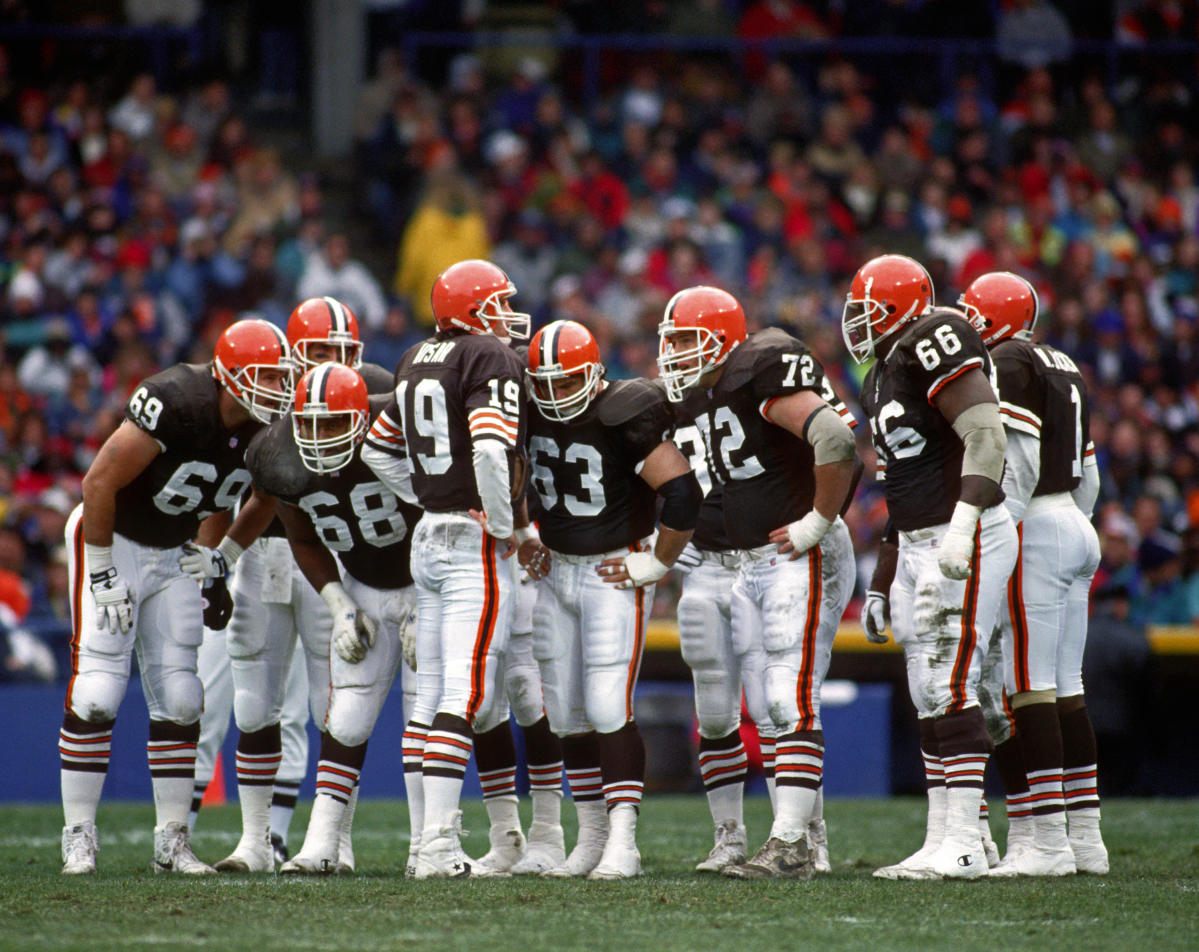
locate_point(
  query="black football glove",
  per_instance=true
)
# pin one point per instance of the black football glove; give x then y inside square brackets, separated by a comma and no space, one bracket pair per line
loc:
[218,603]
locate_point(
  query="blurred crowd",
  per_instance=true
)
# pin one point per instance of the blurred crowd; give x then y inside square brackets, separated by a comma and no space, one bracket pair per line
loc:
[135,226]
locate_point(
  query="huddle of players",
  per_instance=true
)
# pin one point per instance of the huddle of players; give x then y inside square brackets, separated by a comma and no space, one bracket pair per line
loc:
[451,467]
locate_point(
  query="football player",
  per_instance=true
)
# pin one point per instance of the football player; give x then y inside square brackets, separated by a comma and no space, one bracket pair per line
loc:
[275,608]
[451,446]
[600,454]
[339,519]
[216,675]
[709,566]
[950,546]
[1050,482]
[176,458]
[779,441]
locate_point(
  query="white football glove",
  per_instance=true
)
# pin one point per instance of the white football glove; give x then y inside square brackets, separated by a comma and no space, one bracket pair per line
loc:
[688,559]
[876,615]
[807,532]
[643,568]
[408,638]
[957,546]
[114,607]
[200,562]
[353,630]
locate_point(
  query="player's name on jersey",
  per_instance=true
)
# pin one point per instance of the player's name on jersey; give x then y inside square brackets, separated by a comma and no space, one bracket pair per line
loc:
[434,351]
[1055,359]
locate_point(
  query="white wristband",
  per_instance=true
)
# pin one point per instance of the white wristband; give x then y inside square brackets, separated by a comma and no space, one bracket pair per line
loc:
[231,550]
[965,518]
[525,533]
[338,599]
[98,558]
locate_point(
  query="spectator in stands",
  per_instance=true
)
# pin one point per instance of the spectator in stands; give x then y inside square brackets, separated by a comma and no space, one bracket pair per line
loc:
[47,368]
[1116,671]
[333,272]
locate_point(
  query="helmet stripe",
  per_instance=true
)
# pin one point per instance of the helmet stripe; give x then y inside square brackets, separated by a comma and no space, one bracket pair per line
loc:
[337,315]
[549,344]
[281,337]
[318,383]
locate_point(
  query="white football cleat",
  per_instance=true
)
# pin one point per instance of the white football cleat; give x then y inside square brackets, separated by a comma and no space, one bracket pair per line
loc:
[80,844]
[1036,859]
[413,849]
[545,850]
[1090,855]
[249,856]
[989,848]
[583,858]
[915,861]
[307,864]
[729,848]
[955,858]
[620,861]
[441,856]
[818,838]
[345,857]
[507,849]
[173,852]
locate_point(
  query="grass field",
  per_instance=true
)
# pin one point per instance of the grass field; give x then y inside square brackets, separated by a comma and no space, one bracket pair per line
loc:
[1150,901]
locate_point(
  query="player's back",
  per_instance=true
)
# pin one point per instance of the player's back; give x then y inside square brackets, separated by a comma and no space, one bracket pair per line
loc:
[1042,393]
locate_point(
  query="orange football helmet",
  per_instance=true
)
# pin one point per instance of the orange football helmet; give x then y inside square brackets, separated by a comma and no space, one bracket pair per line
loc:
[1000,305]
[885,294]
[324,321]
[244,356]
[558,352]
[473,296]
[699,330]
[330,417]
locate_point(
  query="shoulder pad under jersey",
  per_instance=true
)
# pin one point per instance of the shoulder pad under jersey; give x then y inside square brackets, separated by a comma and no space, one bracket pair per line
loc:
[626,399]
[746,360]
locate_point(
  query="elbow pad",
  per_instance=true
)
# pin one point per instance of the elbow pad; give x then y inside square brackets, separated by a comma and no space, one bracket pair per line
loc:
[985,442]
[681,498]
[831,440]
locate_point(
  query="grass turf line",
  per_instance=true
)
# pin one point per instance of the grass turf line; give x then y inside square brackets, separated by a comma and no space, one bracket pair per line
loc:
[1149,902]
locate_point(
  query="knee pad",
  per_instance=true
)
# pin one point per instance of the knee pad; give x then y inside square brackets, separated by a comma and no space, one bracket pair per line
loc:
[607,714]
[496,715]
[699,627]
[715,709]
[96,696]
[181,699]
[524,692]
[352,715]
[253,710]
[780,698]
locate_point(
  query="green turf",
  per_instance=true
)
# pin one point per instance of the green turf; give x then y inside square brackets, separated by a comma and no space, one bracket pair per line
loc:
[1150,901]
